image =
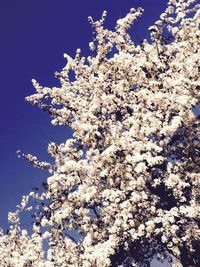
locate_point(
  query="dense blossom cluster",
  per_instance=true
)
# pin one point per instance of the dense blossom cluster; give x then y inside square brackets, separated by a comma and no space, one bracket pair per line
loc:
[126,187]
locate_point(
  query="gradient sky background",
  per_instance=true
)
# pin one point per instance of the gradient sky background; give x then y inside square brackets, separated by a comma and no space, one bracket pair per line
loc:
[34,34]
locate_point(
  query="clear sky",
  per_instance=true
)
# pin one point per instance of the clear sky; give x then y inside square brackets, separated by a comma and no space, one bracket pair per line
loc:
[34,34]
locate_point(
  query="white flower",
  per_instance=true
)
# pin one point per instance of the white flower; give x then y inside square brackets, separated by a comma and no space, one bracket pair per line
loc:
[164,238]
[141,167]
[174,30]
[141,229]
[44,222]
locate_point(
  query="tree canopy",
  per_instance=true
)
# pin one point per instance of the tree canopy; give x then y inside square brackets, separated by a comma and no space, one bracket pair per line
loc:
[126,187]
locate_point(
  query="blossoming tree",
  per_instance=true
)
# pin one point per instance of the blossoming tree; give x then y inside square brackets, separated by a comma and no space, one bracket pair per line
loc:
[126,187]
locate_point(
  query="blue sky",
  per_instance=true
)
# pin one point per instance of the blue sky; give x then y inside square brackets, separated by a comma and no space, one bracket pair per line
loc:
[34,35]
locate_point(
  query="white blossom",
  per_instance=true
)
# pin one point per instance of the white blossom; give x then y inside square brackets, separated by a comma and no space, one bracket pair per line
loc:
[127,182]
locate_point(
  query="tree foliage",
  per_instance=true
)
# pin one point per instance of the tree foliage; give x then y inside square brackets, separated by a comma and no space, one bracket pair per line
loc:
[126,187]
